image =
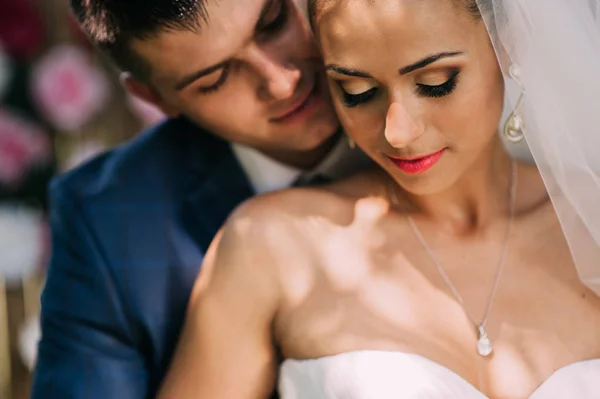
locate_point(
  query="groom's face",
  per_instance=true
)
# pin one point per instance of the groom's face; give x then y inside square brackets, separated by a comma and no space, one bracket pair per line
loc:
[251,74]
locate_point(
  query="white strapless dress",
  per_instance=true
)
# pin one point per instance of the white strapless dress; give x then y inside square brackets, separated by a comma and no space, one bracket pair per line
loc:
[395,375]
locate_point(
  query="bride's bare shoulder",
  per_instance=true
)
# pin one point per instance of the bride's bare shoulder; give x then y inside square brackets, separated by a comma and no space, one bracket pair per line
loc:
[288,211]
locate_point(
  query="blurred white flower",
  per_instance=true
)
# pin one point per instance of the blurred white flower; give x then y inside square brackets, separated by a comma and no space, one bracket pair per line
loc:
[22,242]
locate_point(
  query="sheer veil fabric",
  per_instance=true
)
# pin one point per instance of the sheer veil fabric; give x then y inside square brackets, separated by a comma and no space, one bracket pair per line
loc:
[556,46]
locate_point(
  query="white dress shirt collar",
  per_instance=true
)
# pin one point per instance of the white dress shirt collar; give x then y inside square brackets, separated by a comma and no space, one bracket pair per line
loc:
[264,173]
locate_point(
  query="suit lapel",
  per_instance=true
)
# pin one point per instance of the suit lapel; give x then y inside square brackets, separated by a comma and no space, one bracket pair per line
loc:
[217,185]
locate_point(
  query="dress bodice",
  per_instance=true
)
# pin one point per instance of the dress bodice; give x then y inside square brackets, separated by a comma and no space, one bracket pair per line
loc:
[393,375]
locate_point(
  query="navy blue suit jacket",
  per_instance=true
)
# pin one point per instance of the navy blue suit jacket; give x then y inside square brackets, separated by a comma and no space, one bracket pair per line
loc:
[129,230]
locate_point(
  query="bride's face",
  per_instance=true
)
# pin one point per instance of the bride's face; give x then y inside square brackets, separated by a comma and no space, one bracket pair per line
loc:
[412,78]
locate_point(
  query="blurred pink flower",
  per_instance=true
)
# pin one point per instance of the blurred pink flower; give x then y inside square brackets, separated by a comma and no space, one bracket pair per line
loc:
[21,28]
[22,145]
[68,88]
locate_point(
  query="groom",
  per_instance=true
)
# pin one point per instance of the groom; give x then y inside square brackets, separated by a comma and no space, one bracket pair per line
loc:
[249,113]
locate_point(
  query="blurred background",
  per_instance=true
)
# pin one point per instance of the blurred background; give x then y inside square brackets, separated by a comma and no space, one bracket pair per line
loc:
[60,104]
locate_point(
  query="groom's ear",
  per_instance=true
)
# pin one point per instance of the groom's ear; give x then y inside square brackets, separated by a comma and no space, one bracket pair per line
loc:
[146,93]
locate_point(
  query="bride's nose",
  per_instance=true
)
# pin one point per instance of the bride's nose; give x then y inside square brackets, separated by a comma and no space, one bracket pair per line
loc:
[401,129]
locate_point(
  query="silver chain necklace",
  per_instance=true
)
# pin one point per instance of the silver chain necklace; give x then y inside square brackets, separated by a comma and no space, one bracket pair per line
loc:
[484,345]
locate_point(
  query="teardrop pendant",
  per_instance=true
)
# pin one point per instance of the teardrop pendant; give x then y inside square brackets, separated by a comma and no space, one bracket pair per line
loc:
[514,127]
[484,345]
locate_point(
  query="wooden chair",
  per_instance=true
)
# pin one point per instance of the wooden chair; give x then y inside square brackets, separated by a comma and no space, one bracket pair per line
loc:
[17,304]
[5,350]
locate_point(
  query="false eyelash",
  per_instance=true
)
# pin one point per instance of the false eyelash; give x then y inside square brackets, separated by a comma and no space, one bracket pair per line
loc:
[440,90]
[352,100]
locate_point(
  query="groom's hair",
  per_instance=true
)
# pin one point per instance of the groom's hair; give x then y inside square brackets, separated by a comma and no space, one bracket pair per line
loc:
[112,24]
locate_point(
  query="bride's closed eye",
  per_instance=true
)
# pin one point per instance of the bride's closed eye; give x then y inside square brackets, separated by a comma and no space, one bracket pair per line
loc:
[352,100]
[440,90]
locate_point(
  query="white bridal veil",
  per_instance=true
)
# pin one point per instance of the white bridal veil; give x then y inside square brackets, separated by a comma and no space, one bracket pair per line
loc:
[556,46]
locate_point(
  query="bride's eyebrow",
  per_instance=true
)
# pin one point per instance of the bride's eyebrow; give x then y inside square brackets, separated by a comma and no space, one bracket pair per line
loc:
[427,60]
[347,71]
[403,71]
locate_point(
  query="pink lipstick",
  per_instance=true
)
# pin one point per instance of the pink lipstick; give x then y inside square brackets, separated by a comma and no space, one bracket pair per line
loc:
[417,164]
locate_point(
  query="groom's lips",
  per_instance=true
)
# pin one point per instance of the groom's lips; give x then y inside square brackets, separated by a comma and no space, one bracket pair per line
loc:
[302,107]
[418,164]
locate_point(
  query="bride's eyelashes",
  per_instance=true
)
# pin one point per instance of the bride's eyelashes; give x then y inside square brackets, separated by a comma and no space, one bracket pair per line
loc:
[440,90]
[352,100]
[430,91]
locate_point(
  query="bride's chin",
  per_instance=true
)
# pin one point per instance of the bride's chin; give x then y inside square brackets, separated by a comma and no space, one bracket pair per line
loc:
[425,190]
[427,184]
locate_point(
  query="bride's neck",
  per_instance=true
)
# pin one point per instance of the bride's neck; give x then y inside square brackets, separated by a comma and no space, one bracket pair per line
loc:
[480,196]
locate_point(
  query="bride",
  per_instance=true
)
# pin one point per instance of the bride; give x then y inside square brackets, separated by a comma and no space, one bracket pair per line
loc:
[450,270]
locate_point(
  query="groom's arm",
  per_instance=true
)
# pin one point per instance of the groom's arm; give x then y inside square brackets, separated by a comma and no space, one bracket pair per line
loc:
[86,350]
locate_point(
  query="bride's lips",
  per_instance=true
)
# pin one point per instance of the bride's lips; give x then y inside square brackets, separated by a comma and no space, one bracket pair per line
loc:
[419,164]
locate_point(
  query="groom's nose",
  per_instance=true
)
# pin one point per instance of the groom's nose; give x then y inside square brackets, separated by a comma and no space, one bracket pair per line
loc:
[277,78]
[401,129]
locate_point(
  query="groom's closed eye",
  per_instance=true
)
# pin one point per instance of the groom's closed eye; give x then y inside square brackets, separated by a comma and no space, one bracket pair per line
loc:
[273,18]
[271,22]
